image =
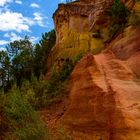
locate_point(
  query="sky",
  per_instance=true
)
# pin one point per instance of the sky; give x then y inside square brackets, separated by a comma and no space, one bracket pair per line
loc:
[25,17]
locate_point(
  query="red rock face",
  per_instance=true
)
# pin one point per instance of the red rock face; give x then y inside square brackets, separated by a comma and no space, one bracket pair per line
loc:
[104,102]
[126,47]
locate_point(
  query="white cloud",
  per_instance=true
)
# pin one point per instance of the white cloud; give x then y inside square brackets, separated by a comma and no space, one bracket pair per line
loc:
[2,49]
[11,37]
[18,2]
[14,21]
[3,2]
[3,42]
[6,35]
[14,36]
[39,18]
[34,5]
[34,39]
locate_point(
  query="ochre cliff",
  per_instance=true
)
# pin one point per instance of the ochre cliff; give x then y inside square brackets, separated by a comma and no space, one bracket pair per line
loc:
[72,24]
[104,99]
[78,22]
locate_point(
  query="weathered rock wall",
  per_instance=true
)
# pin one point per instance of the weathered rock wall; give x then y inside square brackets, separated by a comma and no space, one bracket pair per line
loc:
[104,101]
[74,21]
[72,24]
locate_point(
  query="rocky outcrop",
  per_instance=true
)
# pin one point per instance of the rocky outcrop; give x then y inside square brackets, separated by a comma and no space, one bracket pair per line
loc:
[104,99]
[69,16]
[104,102]
[75,23]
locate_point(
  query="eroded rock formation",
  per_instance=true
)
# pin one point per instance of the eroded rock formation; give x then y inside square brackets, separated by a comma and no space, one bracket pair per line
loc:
[74,26]
[104,102]
[104,99]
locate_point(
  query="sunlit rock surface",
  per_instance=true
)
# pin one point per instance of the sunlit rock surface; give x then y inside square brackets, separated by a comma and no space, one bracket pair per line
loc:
[104,99]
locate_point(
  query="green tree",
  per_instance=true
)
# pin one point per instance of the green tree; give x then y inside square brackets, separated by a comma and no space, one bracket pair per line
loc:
[20,119]
[21,53]
[118,18]
[42,51]
[22,59]
[5,70]
[118,13]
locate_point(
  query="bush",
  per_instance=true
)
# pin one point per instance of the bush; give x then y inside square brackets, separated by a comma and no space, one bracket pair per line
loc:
[28,92]
[41,93]
[53,83]
[53,87]
[78,57]
[118,18]
[23,121]
[118,13]
[66,70]
[3,121]
[62,134]
[58,77]
[115,29]
[134,19]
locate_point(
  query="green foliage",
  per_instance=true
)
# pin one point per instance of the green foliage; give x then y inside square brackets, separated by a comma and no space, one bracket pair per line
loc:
[5,69]
[118,13]
[34,92]
[42,51]
[118,18]
[61,134]
[28,93]
[22,59]
[23,64]
[54,82]
[66,70]
[23,122]
[18,59]
[41,93]
[97,50]
[134,19]
[78,57]
[47,92]
[115,29]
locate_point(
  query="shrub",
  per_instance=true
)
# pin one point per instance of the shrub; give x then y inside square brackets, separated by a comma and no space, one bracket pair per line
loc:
[66,70]
[118,13]
[97,50]
[3,121]
[78,57]
[118,18]
[62,134]
[58,77]
[53,84]
[28,93]
[23,121]
[134,19]
[113,30]
[53,87]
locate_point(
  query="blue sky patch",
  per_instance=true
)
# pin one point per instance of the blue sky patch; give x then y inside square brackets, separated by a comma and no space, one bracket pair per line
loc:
[25,17]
